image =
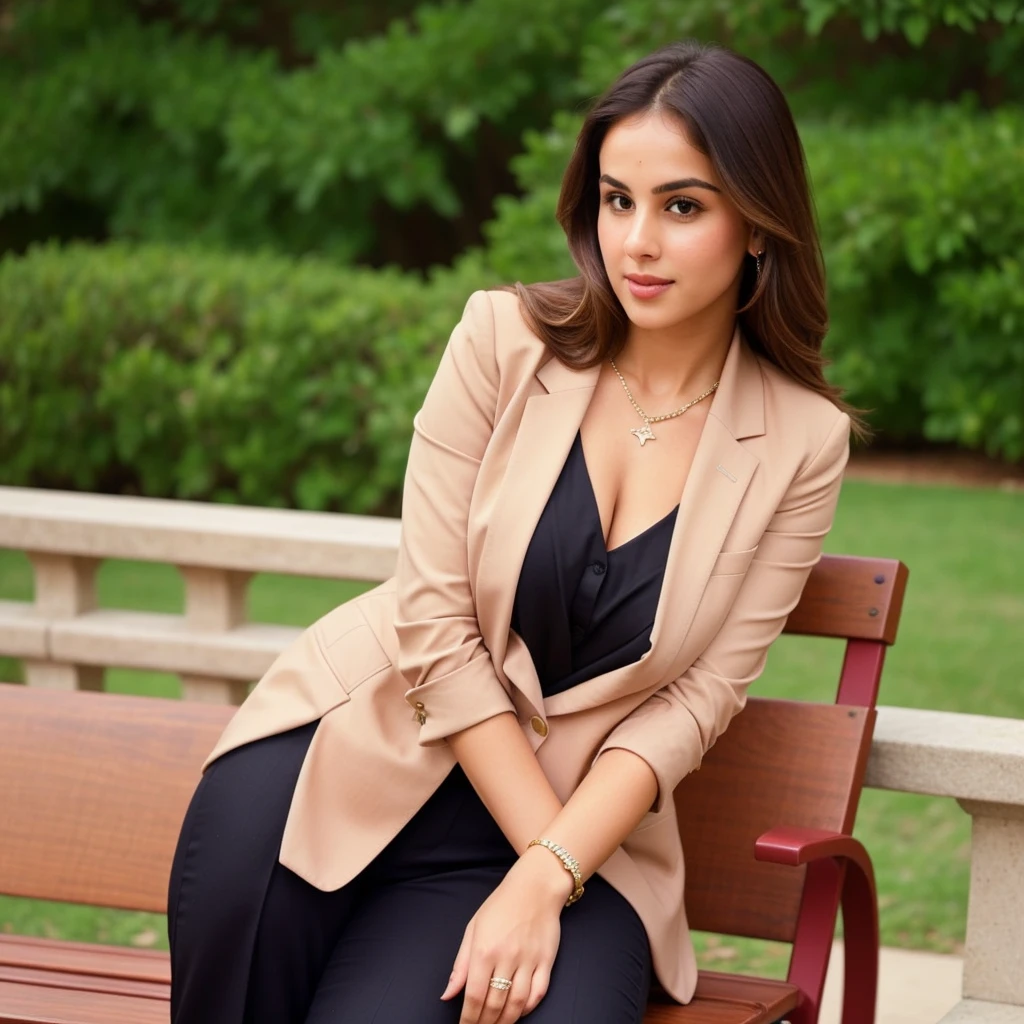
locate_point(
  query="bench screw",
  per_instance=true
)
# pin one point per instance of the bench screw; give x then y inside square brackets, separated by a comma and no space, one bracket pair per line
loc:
[879,578]
[872,612]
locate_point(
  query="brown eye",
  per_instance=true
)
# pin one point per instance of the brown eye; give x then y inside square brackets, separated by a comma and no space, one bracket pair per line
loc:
[684,207]
[618,202]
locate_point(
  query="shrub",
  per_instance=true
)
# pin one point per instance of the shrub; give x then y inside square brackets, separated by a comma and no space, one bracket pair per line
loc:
[192,375]
[922,218]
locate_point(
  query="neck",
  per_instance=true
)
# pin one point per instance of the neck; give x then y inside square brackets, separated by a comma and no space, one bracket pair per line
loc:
[680,361]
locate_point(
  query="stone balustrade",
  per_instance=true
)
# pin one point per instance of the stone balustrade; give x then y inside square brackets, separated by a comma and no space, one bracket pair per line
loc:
[978,761]
[66,641]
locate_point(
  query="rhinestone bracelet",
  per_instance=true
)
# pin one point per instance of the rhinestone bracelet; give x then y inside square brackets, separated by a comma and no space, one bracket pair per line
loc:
[569,862]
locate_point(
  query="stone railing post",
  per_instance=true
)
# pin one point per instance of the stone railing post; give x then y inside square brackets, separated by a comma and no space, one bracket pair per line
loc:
[214,603]
[994,947]
[978,761]
[65,587]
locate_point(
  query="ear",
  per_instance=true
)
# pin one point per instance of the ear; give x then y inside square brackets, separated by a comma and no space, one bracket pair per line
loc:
[755,242]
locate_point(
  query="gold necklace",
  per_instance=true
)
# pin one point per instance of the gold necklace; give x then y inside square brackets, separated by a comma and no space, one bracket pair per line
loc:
[644,433]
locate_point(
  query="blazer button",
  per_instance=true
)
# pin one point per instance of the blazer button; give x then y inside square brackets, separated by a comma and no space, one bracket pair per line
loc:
[540,727]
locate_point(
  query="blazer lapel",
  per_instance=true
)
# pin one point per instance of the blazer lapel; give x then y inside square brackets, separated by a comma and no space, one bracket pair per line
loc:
[721,472]
[551,417]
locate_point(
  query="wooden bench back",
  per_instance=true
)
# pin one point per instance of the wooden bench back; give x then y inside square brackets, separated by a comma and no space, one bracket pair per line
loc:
[851,598]
[93,789]
[779,763]
[789,763]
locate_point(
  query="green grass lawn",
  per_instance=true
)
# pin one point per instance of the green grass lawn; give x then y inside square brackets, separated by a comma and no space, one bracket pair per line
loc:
[959,649]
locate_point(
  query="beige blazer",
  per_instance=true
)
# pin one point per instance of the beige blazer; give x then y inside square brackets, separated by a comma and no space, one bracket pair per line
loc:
[393,672]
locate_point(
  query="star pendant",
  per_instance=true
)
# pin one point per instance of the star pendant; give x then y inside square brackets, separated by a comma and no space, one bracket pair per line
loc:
[644,434]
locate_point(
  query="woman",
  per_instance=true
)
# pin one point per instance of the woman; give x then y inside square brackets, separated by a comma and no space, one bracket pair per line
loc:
[616,489]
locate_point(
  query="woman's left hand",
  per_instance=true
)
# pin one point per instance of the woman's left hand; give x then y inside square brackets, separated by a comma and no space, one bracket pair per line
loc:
[514,935]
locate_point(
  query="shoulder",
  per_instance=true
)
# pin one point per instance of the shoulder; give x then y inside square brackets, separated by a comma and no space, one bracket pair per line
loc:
[511,331]
[801,420]
[493,325]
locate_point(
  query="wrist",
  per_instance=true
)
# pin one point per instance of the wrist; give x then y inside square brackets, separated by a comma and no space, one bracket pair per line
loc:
[547,874]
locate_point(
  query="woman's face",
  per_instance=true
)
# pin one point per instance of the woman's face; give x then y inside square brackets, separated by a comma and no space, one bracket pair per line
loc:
[672,243]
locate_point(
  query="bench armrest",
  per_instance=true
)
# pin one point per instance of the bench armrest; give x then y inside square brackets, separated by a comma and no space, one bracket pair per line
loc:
[826,852]
[796,846]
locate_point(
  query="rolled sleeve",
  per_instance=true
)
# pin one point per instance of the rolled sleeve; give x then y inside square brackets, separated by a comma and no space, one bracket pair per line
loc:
[675,727]
[441,654]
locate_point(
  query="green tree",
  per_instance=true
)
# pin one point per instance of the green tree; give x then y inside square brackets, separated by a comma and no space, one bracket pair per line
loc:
[234,156]
[383,134]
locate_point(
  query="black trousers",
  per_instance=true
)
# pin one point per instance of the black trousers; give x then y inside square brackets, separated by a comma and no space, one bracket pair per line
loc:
[252,943]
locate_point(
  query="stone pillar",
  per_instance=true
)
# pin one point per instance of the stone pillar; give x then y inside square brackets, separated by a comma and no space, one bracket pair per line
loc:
[994,950]
[65,587]
[214,603]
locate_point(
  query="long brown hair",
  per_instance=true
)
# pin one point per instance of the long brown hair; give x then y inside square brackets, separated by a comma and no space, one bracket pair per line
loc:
[736,115]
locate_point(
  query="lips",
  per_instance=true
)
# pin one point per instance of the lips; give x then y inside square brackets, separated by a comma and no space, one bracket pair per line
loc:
[646,286]
[645,279]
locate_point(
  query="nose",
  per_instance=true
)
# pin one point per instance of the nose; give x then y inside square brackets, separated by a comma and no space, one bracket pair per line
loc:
[642,240]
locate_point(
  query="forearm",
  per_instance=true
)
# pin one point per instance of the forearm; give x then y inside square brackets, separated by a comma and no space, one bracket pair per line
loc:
[500,763]
[605,808]
[607,805]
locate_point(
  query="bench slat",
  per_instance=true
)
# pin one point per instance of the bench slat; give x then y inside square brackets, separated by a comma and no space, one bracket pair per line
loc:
[729,999]
[780,763]
[85,983]
[83,958]
[75,829]
[852,597]
[33,1004]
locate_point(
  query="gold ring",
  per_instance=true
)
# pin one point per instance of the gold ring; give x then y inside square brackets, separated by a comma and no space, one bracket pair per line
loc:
[501,984]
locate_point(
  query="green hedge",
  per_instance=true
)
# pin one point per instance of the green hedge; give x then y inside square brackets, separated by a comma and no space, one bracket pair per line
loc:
[924,223]
[268,380]
[185,374]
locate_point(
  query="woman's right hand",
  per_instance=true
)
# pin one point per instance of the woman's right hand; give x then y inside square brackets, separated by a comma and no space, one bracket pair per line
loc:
[514,935]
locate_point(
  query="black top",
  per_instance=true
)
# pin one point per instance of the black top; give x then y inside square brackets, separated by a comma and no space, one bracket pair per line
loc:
[581,609]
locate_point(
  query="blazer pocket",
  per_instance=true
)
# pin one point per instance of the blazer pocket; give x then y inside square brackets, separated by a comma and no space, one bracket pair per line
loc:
[350,647]
[733,563]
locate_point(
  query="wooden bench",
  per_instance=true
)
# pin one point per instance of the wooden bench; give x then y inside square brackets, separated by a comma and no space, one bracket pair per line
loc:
[94,787]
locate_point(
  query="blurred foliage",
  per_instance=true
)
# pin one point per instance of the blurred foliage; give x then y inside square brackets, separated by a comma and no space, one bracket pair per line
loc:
[922,259]
[382,132]
[243,155]
[914,18]
[180,373]
[922,220]
[388,148]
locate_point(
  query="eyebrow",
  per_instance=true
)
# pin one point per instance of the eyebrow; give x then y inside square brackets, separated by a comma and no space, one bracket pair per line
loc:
[671,186]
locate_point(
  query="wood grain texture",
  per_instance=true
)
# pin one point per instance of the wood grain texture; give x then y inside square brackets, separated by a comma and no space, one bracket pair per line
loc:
[22,1003]
[95,787]
[780,763]
[147,965]
[852,597]
[69,981]
[729,999]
